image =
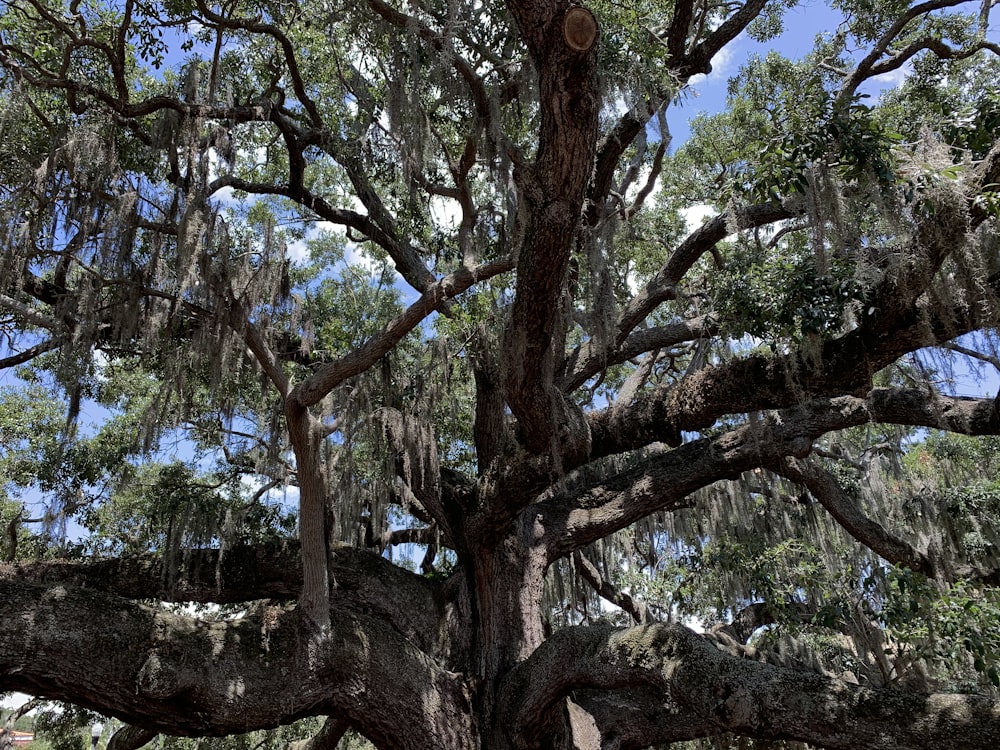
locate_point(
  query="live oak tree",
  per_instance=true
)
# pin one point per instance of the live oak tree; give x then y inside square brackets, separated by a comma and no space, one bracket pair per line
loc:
[376,333]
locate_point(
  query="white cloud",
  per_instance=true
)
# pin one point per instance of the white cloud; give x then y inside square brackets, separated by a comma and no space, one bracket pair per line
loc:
[225,196]
[694,623]
[297,251]
[15,700]
[894,78]
[445,213]
[697,215]
[722,66]
[355,255]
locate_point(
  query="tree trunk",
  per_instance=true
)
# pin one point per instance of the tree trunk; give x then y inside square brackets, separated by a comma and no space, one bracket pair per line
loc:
[306,442]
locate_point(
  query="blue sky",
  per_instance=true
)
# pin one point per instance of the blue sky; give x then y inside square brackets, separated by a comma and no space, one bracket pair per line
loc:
[801,26]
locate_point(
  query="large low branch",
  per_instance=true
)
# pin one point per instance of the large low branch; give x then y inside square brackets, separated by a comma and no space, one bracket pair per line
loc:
[239,575]
[672,684]
[130,738]
[362,582]
[182,676]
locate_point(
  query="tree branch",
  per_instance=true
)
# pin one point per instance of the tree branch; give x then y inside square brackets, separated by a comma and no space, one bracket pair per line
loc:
[698,60]
[589,359]
[364,581]
[827,490]
[130,738]
[287,50]
[53,643]
[699,690]
[30,353]
[663,286]
[864,69]
[327,738]
[552,192]
[329,376]
[637,609]
[842,365]
[578,515]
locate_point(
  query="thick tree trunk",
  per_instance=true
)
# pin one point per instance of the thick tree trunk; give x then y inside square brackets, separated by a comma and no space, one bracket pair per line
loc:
[553,190]
[509,626]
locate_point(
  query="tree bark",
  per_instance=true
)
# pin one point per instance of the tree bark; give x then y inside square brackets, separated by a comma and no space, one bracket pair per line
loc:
[306,438]
[694,689]
[552,190]
[188,677]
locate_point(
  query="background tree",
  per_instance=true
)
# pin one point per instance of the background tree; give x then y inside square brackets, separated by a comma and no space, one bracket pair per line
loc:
[354,276]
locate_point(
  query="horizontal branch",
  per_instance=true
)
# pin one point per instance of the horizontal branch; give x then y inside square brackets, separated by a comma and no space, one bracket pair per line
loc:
[664,481]
[680,686]
[579,514]
[189,677]
[242,574]
[30,353]
[363,581]
[757,382]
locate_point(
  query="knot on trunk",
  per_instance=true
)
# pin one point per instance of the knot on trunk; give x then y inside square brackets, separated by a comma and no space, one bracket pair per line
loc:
[579,29]
[156,680]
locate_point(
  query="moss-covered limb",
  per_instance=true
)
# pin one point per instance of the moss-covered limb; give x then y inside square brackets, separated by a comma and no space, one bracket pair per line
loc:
[639,717]
[703,690]
[904,312]
[240,574]
[922,408]
[581,513]
[363,582]
[844,365]
[183,676]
